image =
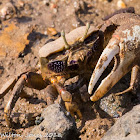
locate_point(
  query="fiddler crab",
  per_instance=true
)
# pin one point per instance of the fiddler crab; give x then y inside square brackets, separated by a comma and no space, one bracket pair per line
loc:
[78,53]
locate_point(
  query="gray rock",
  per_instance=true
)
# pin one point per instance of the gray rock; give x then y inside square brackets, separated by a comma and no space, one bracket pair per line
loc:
[55,126]
[126,128]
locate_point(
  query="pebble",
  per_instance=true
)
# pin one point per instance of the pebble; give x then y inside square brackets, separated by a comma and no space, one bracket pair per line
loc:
[56,124]
[7,11]
[38,120]
[52,6]
[51,31]
[126,128]
[21,3]
[46,2]
[41,128]
[121,4]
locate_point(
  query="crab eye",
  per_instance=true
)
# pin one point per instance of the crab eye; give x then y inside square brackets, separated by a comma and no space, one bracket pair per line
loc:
[56,66]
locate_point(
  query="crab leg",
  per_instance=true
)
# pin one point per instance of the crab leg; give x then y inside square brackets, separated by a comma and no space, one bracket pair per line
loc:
[134,80]
[12,81]
[30,79]
[71,106]
[14,97]
[51,94]
[7,86]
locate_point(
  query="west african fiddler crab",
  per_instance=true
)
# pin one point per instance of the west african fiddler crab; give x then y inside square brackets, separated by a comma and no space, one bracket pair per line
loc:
[77,54]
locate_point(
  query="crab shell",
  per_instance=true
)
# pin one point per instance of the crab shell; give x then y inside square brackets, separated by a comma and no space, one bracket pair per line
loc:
[59,45]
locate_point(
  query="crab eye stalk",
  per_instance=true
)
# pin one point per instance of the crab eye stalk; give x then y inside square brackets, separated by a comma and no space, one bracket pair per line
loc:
[87,28]
[67,46]
[56,66]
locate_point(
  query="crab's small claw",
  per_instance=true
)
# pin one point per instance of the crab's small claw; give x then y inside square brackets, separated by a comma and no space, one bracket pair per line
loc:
[127,58]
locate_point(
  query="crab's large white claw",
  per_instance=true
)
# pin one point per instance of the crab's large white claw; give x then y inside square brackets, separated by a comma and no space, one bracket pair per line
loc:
[128,49]
[109,52]
[59,44]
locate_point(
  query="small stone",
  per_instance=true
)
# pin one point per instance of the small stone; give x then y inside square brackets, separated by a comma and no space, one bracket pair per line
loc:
[127,133]
[41,128]
[52,6]
[21,3]
[55,10]
[46,2]
[67,113]
[45,32]
[51,31]
[121,4]
[41,118]
[126,128]
[56,124]
[7,11]
[38,120]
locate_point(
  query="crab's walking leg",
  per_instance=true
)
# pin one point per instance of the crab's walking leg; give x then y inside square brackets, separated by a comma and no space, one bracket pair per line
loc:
[14,97]
[66,96]
[51,94]
[72,107]
[134,79]
[30,79]
[7,86]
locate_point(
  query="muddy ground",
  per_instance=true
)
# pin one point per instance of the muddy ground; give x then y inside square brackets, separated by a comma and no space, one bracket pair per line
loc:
[59,15]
